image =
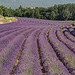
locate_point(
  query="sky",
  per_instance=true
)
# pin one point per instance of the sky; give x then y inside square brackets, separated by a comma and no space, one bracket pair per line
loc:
[33,3]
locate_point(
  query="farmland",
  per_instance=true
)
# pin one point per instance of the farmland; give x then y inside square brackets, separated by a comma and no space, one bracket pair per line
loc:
[37,47]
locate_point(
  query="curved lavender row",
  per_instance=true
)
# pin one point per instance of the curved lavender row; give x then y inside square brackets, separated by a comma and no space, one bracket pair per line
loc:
[4,29]
[68,35]
[40,21]
[29,60]
[9,26]
[64,40]
[50,62]
[9,54]
[72,31]
[31,21]
[9,32]
[73,27]
[6,39]
[64,54]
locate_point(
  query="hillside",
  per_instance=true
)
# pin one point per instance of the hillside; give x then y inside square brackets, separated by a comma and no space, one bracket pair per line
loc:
[37,47]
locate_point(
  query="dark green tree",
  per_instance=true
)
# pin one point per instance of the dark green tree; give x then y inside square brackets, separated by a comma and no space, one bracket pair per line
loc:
[36,13]
[52,15]
[20,7]
[66,14]
[18,13]
[1,11]
[6,12]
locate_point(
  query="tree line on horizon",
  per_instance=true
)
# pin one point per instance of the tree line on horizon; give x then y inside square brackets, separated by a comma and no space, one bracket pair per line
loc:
[56,12]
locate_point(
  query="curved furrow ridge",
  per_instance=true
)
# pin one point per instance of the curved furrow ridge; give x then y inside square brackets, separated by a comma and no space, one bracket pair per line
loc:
[72,31]
[64,40]
[37,47]
[49,60]
[4,41]
[68,35]
[10,53]
[29,60]
[66,56]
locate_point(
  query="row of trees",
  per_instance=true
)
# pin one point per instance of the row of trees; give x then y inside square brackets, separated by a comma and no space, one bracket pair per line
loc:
[57,12]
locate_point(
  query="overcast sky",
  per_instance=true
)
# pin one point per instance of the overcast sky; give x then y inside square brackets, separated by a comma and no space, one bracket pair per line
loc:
[33,3]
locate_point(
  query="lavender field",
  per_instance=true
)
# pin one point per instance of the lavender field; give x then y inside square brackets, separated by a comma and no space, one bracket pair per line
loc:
[37,47]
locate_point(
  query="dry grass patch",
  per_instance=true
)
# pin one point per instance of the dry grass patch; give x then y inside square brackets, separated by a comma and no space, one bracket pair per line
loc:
[4,20]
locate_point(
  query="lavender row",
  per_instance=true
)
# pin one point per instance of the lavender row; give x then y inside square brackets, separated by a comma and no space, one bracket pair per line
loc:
[9,54]
[10,32]
[29,21]
[64,40]
[6,39]
[68,35]
[66,56]
[41,22]
[3,29]
[72,31]
[49,60]
[29,60]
